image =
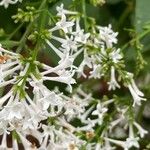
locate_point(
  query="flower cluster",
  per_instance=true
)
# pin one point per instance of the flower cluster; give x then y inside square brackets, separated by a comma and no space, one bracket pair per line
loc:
[100,55]
[23,114]
[57,121]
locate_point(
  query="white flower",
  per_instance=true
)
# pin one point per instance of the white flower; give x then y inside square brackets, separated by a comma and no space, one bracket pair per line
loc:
[63,64]
[45,99]
[7,70]
[124,144]
[141,131]
[59,138]
[75,106]
[3,145]
[108,36]
[113,83]
[81,37]
[84,116]
[70,44]
[115,56]
[33,119]
[65,124]
[9,66]
[7,98]
[130,142]
[65,77]
[3,127]
[136,93]
[117,142]
[56,50]
[64,24]
[89,125]
[15,145]
[61,11]
[6,3]
[96,72]
[79,34]
[14,111]
[100,111]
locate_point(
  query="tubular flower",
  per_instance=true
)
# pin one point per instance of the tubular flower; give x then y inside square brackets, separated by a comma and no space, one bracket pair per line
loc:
[6,3]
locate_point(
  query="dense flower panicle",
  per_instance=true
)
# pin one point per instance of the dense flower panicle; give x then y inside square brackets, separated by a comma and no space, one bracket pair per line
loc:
[77,120]
[25,114]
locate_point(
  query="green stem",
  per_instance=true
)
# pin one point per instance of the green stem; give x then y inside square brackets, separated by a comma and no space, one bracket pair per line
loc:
[135,39]
[84,14]
[42,19]
[36,49]
[51,16]
[15,31]
[24,37]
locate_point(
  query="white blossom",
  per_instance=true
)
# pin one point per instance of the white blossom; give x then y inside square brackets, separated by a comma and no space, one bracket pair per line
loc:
[3,145]
[14,111]
[107,35]
[64,24]
[61,11]
[6,3]
[115,55]
[113,83]
[136,94]
[8,67]
[96,72]
[131,141]
[100,112]
[79,34]
[141,131]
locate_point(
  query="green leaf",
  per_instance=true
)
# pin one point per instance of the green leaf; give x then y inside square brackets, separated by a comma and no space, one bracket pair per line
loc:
[142,14]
